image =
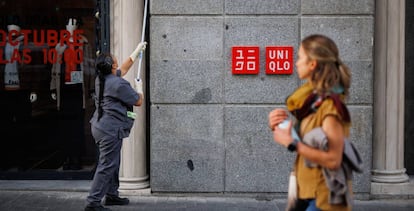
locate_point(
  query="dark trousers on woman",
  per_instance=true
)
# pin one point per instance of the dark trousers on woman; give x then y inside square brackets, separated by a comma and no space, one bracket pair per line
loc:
[106,178]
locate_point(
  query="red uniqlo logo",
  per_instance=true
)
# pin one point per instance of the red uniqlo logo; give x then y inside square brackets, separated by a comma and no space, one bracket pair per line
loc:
[279,60]
[245,60]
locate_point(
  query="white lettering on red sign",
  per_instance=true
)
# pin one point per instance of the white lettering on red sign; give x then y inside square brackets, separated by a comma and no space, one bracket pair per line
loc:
[279,60]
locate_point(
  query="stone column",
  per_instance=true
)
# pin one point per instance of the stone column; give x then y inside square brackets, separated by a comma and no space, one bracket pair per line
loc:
[126,26]
[388,172]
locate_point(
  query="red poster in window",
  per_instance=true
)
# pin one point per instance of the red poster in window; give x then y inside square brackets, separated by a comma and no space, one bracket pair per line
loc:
[245,60]
[279,60]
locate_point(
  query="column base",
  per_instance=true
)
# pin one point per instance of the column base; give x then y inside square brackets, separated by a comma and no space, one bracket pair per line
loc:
[134,183]
[400,191]
[390,176]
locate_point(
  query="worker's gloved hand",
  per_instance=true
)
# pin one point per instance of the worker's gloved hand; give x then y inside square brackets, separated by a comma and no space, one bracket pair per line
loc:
[139,86]
[141,47]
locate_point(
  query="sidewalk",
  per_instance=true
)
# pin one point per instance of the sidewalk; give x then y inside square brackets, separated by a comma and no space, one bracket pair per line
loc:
[35,198]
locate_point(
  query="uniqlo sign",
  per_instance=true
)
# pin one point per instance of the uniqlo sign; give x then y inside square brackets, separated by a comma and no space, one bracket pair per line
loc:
[245,60]
[279,60]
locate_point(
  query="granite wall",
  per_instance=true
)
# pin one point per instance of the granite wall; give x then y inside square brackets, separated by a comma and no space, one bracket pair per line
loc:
[208,127]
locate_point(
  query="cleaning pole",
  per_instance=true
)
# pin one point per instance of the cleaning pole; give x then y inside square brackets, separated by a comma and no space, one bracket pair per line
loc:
[138,83]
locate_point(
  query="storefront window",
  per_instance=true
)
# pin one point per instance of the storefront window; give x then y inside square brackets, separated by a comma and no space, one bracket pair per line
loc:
[47,53]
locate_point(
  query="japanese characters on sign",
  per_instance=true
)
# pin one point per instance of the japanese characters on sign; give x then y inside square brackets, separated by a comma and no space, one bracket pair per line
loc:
[245,60]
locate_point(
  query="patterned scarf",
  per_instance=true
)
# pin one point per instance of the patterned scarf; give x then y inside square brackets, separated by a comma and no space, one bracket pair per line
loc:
[305,101]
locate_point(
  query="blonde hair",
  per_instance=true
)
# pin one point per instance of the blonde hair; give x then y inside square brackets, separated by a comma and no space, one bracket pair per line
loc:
[330,70]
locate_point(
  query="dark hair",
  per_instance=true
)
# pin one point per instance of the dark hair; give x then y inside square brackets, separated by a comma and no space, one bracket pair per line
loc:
[104,64]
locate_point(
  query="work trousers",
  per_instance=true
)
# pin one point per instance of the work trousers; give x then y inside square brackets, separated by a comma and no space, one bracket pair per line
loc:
[106,178]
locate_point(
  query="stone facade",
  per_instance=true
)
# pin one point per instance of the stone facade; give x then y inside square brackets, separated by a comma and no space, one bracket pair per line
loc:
[208,128]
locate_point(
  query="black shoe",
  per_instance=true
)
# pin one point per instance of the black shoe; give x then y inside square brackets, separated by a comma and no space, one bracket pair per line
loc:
[116,200]
[98,208]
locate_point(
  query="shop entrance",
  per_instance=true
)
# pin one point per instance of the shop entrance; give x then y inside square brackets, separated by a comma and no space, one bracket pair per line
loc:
[47,54]
[409,88]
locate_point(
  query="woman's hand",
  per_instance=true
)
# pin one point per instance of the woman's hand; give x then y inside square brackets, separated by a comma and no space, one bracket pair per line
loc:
[283,136]
[277,116]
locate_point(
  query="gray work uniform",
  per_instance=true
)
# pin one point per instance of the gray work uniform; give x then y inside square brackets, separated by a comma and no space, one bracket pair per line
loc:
[114,125]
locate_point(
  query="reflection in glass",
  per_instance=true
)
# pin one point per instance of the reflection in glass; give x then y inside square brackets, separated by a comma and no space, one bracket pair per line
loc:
[46,80]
